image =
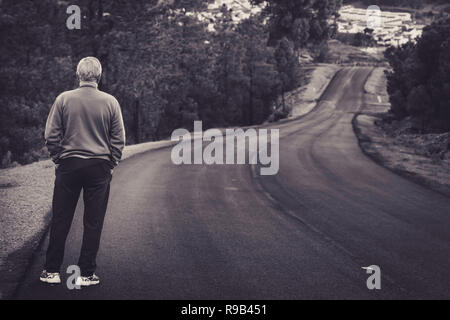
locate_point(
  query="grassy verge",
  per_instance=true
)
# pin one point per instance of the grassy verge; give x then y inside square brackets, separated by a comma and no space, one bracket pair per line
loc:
[423,158]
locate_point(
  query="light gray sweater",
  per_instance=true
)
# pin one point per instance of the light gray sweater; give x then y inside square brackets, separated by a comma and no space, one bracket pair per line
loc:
[85,123]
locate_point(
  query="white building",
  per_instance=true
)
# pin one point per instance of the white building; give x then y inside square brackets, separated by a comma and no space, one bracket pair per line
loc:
[396,28]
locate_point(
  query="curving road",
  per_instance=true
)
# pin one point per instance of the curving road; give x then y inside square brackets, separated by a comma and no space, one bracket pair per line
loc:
[224,232]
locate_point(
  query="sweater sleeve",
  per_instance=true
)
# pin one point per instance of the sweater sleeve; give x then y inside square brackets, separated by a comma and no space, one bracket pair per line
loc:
[54,130]
[117,134]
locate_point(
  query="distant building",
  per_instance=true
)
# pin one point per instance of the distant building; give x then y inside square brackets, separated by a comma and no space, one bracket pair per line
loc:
[396,28]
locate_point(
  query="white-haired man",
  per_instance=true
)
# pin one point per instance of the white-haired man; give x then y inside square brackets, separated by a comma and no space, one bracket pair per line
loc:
[85,137]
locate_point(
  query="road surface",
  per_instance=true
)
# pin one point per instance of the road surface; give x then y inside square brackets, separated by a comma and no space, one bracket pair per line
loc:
[224,232]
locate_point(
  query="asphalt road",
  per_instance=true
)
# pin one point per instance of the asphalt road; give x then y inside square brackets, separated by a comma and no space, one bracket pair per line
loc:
[224,232]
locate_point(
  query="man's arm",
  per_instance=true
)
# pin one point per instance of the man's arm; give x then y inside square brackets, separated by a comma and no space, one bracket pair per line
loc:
[54,130]
[117,134]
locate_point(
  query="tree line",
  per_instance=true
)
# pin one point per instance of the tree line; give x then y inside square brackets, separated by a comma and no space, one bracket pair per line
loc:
[161,62]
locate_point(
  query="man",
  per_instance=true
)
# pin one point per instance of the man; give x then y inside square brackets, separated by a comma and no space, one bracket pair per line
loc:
[85,137]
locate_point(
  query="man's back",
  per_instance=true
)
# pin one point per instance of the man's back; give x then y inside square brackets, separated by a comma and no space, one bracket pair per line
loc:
[85,123]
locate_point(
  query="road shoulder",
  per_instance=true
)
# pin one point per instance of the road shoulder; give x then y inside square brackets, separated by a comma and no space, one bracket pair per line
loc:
[424,159]
[25,210]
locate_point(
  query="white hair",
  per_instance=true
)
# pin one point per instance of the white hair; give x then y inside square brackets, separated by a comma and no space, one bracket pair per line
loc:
[89,69]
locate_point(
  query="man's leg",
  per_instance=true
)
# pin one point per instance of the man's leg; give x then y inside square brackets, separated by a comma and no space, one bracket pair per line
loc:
[65,197]
[96,182]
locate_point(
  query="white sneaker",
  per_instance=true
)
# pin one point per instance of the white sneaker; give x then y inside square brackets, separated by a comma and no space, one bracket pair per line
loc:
[50,277]
[87,281]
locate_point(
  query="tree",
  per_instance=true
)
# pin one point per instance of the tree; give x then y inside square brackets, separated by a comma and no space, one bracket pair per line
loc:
[368,31]
[259,69]
[288,67]
[33,66]
[363,40]
[300,21]
[419,82]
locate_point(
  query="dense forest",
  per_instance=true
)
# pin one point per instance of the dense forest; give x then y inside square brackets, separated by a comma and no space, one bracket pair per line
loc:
[162,63]
[419,83]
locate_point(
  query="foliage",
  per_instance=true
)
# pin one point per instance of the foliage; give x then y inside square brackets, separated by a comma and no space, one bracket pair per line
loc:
[301,21]
[363,40]
[419,83]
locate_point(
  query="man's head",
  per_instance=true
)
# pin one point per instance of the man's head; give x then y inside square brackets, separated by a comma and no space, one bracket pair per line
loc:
[89,69]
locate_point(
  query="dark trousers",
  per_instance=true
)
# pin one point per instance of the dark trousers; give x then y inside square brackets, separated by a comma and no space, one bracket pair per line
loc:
[95,180]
